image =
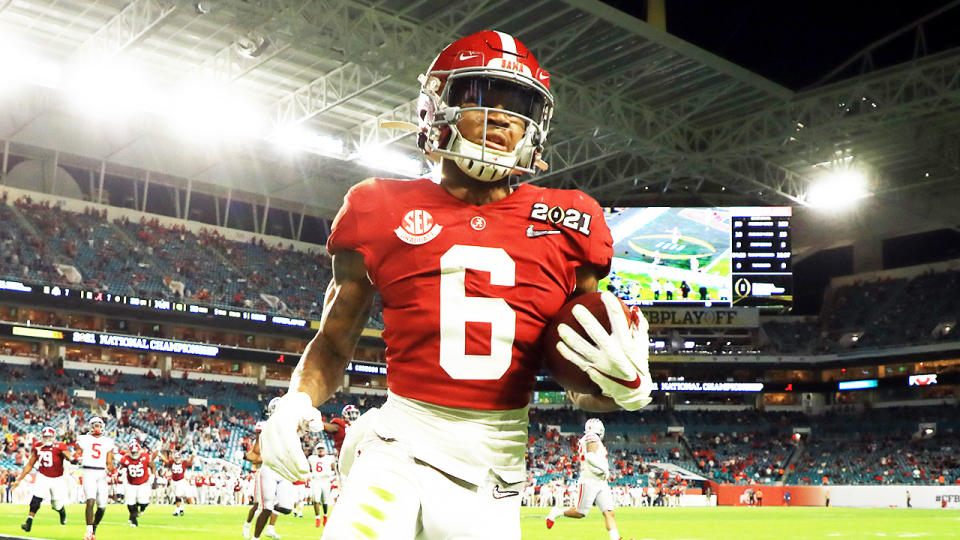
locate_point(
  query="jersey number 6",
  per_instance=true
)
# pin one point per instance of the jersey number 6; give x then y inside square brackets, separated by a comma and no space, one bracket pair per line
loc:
[457,309]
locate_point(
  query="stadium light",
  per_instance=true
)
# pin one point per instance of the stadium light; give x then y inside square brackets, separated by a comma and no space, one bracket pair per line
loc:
[377,157]
[22,66]
[838,189]
[298,138]
[111,90]
[203,109]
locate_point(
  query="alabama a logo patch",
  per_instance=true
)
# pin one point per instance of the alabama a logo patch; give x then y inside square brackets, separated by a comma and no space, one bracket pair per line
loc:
[417,227]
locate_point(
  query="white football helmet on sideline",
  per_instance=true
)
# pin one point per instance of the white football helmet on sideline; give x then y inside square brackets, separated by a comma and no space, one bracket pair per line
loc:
[272,406]
[594,425]
[350,413]
[490,72]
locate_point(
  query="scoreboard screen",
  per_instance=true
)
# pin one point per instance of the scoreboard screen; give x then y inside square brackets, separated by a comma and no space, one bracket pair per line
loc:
[729,256]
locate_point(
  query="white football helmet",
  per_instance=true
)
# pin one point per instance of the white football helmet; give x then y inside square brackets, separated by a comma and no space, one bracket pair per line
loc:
[320,449]
[490,72]
[48,434]
[97,425]
[350,413]
[272,406]
[594,425]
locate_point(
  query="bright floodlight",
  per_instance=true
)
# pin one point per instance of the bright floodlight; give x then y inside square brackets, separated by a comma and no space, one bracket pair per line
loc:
[205,110]
[296,137]
[392,161]
[22,66]
[838,189]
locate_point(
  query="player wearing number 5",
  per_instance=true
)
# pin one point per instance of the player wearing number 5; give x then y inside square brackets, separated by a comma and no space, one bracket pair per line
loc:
[48,455]
[469,271]
[139,467]
[97,462]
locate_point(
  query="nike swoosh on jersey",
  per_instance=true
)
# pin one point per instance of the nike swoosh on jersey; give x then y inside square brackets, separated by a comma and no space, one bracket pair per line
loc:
[500,494]
[533,233]
[629,384]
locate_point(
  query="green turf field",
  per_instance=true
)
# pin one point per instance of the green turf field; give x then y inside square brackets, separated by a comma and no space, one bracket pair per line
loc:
[222,523]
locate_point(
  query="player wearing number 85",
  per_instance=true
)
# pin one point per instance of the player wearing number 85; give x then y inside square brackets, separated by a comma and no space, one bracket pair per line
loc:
[466,290]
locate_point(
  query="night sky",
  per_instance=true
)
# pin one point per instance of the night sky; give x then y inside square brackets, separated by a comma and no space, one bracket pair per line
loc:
[796,43]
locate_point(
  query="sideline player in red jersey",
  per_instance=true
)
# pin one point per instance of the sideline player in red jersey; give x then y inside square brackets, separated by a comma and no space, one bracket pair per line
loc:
[470,271]
[48,454]
[139,467]
[338,426]
[178,471]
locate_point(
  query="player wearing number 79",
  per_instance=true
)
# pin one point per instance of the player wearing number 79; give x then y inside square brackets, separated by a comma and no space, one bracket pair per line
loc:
[48,455]
[470,271]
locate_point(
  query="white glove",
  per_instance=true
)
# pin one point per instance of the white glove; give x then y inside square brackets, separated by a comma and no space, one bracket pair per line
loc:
[280,444]
[618,364]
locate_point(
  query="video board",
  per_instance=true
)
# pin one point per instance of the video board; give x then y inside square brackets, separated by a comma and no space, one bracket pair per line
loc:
[722,256]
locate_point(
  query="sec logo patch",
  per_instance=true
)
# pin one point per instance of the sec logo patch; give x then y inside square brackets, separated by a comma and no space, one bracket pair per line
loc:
[417,227]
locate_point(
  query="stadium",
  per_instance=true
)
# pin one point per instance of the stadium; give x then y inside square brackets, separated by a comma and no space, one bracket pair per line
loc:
[182,183]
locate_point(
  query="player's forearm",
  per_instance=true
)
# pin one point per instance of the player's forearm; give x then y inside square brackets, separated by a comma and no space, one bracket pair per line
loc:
[320,371]
[346,309]
[593,402]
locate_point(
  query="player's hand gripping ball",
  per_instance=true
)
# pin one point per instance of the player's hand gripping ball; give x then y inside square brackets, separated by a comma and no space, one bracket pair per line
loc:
[596,345]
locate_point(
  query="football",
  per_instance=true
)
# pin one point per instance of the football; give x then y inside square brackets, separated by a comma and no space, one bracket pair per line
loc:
[562,370]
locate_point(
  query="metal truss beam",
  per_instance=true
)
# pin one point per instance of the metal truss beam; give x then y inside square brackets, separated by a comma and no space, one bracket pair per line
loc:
[124,30]
[899,93]
[325,93]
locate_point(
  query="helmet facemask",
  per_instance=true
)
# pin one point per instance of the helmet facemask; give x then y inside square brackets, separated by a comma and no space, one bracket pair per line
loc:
[485,91]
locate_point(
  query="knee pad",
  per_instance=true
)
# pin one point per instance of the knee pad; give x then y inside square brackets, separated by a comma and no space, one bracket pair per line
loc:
[281,510]
[143,506]
[35,504]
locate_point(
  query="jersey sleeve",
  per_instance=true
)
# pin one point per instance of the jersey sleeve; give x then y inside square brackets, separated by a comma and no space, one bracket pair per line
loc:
[596,248]
[347,232]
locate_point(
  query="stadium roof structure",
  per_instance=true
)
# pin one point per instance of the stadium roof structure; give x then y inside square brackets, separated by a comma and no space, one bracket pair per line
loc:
[643,117]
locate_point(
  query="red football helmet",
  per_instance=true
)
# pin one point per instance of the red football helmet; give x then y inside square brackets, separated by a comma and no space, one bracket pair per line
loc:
[491,72]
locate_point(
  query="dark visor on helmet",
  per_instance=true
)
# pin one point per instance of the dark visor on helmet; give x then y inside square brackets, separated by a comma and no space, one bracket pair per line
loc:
[479,91]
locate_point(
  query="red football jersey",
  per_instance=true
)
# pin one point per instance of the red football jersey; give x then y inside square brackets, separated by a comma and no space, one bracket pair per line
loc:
[339,435]
[176,471]
[467,289]
[138,468]
[50,458]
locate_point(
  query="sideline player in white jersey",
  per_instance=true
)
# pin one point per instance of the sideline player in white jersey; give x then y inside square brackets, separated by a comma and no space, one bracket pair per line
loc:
[48,455]
[272,493]
[593,487]
[323,469]
[97,462]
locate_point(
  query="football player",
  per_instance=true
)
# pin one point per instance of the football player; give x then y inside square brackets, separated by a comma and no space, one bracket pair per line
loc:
[592,487]
[139,469]
[323,469]
[273,494]
[178,471]
[470,271]
[48,455]
[338,426]
[97,461]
